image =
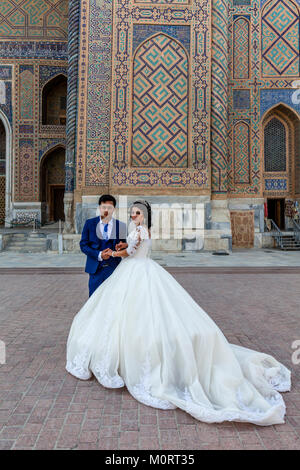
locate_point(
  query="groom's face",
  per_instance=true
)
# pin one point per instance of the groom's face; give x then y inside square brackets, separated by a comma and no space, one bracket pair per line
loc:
[106,210]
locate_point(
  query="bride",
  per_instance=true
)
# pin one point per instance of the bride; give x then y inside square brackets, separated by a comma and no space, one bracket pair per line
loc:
[142,329]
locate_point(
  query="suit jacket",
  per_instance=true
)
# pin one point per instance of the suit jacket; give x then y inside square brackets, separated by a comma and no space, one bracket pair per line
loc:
[91,244]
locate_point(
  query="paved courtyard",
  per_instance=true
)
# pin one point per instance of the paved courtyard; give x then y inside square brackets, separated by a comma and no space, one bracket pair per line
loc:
[44,407]
[238,257]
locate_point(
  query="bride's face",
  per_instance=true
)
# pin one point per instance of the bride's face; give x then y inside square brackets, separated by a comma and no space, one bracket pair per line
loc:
[137,215]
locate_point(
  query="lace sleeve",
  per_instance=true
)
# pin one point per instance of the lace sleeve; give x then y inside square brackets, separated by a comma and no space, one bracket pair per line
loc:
[131,249]
[144,234]
[140,232]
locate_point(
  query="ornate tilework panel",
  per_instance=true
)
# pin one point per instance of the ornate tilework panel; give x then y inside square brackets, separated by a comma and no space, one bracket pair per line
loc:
[47,144]
[26,169]
[26,92]
[180,2]
[2,198]
[262,2]
[241,59]
[241,99]
[270,97]
[33,19]
[97,158]
[46,72]
[219,97]
[94,107]
[241,146]
[273,184]
[241,2]
[34,50]
[160,104]
[5,72]
[280,39]
[275,145]
[141,32]
[26,129]
[99,90]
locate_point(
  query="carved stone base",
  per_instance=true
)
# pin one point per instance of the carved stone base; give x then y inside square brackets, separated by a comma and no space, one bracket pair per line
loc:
[69,216]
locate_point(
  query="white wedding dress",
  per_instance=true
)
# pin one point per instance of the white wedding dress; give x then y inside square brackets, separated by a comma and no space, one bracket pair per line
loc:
[142,329]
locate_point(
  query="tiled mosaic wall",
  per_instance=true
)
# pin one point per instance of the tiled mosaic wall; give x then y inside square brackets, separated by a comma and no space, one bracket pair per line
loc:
[188,119]
[173,134]
[264,65]
[138,130]
[33,49]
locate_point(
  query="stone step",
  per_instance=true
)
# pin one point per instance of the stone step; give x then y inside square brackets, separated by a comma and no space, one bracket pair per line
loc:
[17,243]
[26,249]
[19,235]
[290,244]
[34,250]
[28,241]
[36,236]
[291,248]
[14,248]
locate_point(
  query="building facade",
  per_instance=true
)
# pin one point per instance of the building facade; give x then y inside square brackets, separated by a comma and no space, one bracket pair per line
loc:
[177,101]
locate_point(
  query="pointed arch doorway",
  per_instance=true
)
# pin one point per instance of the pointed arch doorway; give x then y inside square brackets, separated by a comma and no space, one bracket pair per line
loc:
[52,178]
[5,171]
[280,162]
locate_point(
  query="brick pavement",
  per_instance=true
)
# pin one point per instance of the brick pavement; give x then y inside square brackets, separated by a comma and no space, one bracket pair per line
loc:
[44,407]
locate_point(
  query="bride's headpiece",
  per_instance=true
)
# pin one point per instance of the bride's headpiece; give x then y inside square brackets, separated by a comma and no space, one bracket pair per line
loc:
[148,209]
[145,203]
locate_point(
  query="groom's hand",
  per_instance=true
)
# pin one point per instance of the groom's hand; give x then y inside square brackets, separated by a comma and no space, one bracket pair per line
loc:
[105,254]
[121,246]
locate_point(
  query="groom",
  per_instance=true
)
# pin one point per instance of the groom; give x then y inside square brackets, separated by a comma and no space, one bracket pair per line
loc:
[99,235]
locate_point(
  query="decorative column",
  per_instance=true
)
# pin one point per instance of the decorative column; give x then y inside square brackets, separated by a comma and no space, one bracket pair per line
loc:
[219,97]
[220,216]
[73,48]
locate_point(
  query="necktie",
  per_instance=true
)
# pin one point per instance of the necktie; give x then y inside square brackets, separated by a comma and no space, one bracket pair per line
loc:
[105,232]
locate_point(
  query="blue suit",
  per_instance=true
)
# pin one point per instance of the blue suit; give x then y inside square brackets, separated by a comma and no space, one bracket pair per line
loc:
[92,242]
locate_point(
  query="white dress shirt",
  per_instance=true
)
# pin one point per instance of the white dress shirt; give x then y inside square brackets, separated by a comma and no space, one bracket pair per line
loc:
[109,229]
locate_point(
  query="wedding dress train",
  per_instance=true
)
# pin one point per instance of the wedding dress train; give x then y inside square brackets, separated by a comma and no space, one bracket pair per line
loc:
[143,330]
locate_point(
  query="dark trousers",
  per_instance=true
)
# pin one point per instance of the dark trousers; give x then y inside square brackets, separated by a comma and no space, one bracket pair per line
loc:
[102,273]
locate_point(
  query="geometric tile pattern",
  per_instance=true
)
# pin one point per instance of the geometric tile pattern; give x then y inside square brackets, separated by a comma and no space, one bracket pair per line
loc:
[33,19]
[26,95]
[46,144]
[5,72]
[34,50]
[271,97]
[241,59]
[26,168]
[109,108]
[141,32]
[160,104]
[219,97]
[280,38]
[46,72]
[95,111]
[2,199]
[241,146]
[241,99]
[97,168]
[265,92]
[275,184]
[162,1]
